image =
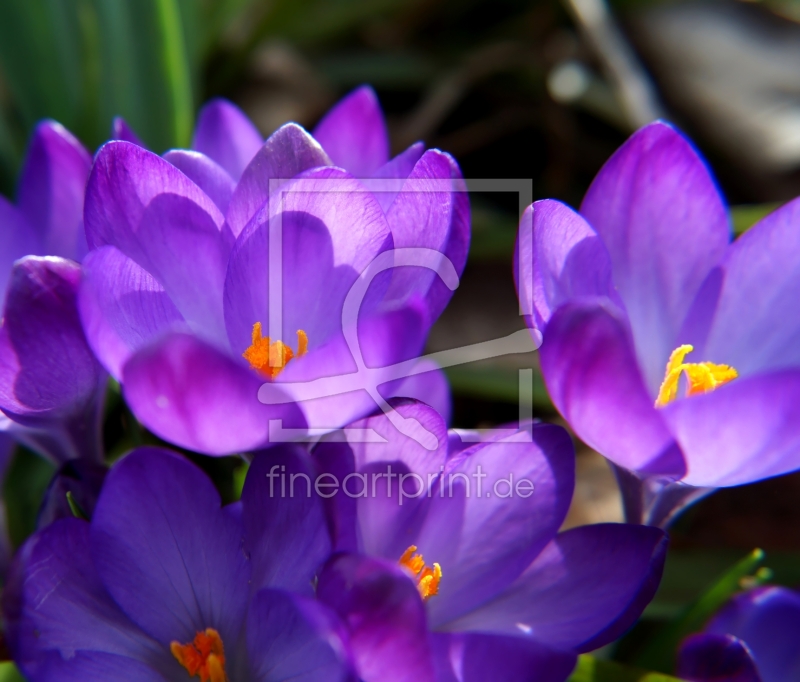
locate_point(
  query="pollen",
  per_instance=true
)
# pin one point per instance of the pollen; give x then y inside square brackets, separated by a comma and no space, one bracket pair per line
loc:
[701,377]
[427,578]
[268,357]
[203,657]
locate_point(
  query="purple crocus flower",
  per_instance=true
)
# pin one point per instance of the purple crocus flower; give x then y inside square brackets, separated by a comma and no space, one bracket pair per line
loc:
[667,348]
[762,631]
[175,295]
[452,566]
[51,387]
[165,584]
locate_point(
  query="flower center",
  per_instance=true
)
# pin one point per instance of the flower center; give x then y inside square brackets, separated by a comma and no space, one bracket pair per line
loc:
[203,657]
[427,578]
[269,358]
[702,376]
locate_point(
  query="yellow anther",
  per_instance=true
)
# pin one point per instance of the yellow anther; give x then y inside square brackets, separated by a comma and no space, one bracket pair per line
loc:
[269,358]
[702,377]
[203,657]
[427,578]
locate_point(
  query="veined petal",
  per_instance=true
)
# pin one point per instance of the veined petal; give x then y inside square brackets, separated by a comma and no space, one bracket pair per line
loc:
[123,308]
[558,257]
[55,603]
[292,638]
[354,135]
[586,588]
[289,151]
[196,396]
[747,306]
[591,373]
[120,130]
[165,550]
[206,174]
[225,135]
[330,229]
[285,533]
[18,238]
[398,168]
[741,432]
[661,217]
[124,180]
[513,494]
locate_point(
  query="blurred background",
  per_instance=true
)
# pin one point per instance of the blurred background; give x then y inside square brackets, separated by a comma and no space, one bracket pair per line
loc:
[543,90]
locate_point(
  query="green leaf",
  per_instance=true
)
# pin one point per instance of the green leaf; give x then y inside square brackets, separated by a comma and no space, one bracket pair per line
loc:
[24,487]
[659,652]
[9,673]
[496,383]
[591,669]
[239,475]
[744,217]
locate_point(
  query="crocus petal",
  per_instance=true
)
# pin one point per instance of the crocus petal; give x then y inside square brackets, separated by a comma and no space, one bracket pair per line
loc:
[48,375]
[18,238]
[342,393]
[591,373]
[51,189]
[285,532]
[457,245]
[354,135]
[430,386]
[586,588]
[289,151]
[94,666]
[330,230]
[522,489]
[120,130]
[123,307]
[206,174]
[767,620]
[717,658]
[181,247]
[741,432]
[56,602]
[291,638]
[384,617]
[750,313]
[661,217]
[475,657]
[226,135]
[398,168]
[383,521]
[558,257]
[420,217]
[166,552]
[191,394]
[125,178]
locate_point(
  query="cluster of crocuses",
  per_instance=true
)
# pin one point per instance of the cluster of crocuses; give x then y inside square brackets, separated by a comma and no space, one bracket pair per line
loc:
[215,285]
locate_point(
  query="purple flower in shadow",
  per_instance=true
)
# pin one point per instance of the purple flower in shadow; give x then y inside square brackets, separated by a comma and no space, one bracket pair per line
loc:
[755,636]
[450,563]
[51,387]
[183,255]
[166,584]
[667,348]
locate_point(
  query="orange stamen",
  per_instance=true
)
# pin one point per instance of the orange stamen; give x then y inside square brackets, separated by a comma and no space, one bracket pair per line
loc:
[269,358]
[702,377]
[427,578]
[204,657]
